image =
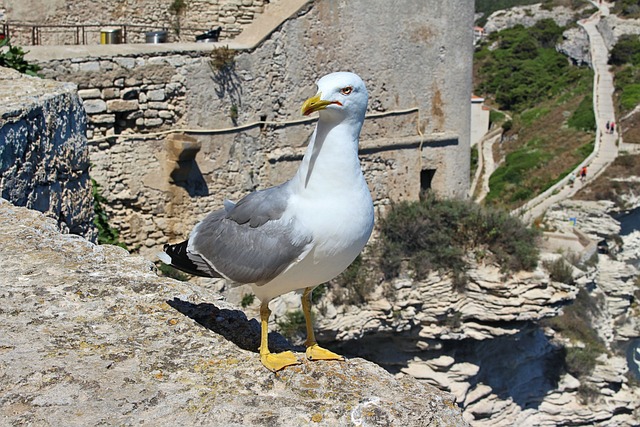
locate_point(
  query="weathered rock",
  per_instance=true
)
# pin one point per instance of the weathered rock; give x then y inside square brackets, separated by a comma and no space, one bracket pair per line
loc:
[575,44]
[527,16]
[90,335]
[612,27]
[44,160]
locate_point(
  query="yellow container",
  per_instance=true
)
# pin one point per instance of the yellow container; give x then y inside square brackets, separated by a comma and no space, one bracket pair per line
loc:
[111,36]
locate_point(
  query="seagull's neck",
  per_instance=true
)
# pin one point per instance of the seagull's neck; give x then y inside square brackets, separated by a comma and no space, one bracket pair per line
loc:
[331,159]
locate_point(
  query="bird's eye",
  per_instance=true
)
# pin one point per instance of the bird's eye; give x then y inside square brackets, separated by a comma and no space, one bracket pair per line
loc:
[346,90]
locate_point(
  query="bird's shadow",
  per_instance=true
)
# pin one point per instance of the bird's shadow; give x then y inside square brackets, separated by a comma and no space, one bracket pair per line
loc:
[233,325]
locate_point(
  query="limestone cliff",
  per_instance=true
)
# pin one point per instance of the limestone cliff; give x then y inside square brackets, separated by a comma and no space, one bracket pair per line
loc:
[90,335]
[486,345]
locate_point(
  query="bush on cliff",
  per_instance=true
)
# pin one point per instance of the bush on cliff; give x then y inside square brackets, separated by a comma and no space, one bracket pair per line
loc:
[438,234]
[625,56]
[519,67]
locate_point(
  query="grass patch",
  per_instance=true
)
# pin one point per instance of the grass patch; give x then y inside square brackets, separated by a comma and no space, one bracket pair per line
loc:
[529,116]
[583,118]
[496,117]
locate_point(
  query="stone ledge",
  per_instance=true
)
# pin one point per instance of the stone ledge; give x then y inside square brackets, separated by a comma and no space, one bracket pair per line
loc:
[90,335]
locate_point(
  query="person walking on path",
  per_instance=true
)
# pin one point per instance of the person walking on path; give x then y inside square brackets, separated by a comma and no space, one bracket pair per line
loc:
[583,173]
[613,127]
[608,126]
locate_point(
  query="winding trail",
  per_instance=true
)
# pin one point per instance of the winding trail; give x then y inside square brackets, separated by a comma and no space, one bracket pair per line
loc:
[486,164]
[605,148]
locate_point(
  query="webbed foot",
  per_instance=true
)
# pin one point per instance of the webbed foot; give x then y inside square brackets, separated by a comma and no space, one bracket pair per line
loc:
[315,352]
[276,361]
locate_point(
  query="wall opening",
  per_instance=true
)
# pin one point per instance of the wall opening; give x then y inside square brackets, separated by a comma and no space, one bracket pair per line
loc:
[426,179]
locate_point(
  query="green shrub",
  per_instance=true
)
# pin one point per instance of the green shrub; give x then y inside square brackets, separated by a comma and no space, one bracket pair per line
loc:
[627,8]
[247,300]
[626,50]
[435,234]
[13,57]
[356,283]
[559,271]
[526,68]
[576,324]
[474,161]
[106,234]
[292,325]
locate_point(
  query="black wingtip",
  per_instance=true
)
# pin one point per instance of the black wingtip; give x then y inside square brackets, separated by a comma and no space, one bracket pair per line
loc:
[180,259]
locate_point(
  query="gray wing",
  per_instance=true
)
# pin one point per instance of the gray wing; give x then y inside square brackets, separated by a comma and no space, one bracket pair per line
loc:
[250,243]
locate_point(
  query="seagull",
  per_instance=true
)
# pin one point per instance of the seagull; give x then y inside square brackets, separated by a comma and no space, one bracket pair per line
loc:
[299,234]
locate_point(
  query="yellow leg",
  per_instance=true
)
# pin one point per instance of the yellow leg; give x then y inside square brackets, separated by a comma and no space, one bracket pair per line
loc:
[272,361]
[314,351]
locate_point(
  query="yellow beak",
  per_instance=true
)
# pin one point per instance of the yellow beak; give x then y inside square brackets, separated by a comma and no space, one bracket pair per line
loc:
[314,104]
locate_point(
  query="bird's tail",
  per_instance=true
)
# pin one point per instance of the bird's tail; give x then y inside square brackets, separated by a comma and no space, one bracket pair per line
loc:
[177,256]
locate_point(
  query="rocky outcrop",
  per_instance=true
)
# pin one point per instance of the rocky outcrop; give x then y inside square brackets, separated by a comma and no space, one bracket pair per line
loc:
[492,304]
[575,42]
[527,16]
[90,335]
[612,27]
[44,160]
[485,343]
[575,45]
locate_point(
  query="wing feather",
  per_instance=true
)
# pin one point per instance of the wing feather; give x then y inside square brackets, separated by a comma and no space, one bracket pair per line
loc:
[253,242]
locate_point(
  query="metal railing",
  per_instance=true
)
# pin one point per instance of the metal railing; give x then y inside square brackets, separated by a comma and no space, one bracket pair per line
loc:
[25,33]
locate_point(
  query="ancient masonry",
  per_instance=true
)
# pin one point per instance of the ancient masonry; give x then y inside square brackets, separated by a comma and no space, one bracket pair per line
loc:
[60,22]
[246,109]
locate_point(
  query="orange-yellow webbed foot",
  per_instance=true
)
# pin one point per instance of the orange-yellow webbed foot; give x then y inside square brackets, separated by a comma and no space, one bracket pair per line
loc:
[315,352]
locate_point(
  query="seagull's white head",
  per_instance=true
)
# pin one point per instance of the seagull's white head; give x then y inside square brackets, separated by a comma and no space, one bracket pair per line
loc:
[340,96]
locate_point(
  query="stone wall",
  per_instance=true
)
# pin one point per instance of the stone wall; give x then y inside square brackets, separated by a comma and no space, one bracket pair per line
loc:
[140,16]
[416,136]
[44,158]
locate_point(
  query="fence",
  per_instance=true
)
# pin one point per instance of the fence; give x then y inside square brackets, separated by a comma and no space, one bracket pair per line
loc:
[27,34]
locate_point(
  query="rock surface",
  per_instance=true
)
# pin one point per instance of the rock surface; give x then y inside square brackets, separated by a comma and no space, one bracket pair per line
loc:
[44,159]
[575,45]
[90,335]
[527,16]
[612,27]
[485,345]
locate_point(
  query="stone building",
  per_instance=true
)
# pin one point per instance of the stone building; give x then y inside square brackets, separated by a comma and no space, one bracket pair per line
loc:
[175,129]
[72,21]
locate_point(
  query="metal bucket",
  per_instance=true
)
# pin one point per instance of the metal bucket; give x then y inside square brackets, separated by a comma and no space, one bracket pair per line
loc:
[155,37]
[111,36]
